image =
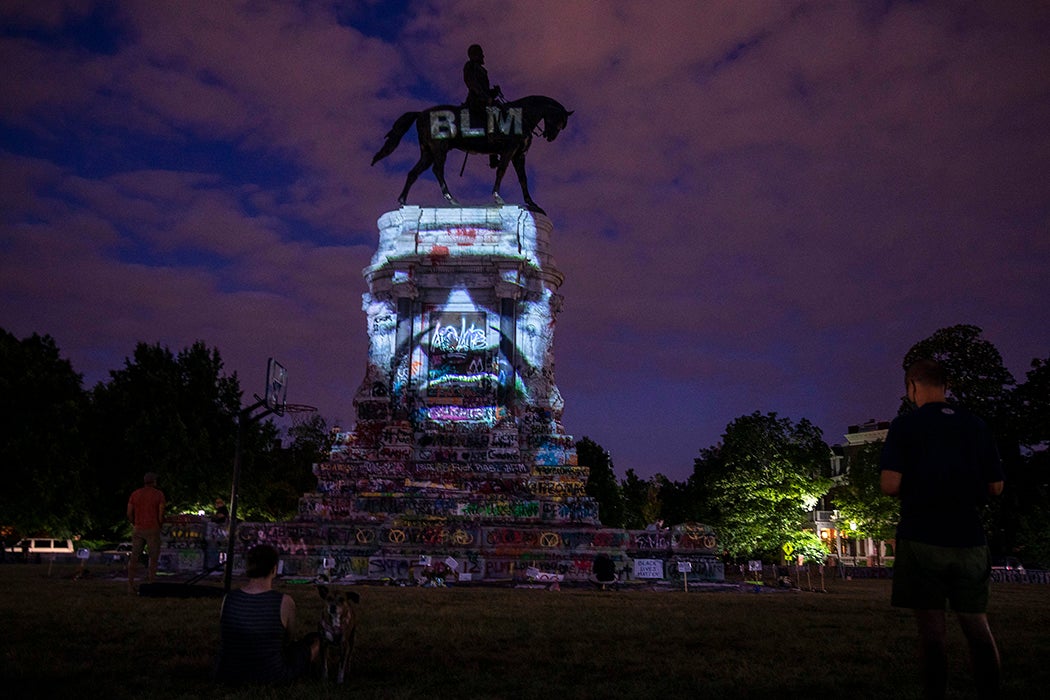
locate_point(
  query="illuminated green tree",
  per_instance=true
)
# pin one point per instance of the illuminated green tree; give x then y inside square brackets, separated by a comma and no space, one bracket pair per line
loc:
[806,544]
[859,499]
[760,482]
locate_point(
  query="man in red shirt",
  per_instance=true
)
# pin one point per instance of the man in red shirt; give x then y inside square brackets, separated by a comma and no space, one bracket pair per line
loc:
[146,513]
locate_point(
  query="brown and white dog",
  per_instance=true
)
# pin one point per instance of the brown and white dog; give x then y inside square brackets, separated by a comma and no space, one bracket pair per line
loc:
[338,626]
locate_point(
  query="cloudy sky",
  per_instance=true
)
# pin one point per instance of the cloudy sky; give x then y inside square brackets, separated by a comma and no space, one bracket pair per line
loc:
[758,206]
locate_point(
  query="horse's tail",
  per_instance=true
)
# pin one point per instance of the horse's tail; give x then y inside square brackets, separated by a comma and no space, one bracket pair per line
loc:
[393,137]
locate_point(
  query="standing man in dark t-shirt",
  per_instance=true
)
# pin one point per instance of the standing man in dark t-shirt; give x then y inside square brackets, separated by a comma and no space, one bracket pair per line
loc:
[943,464]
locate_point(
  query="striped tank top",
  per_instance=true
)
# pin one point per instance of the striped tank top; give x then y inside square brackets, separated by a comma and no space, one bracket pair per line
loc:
[253,638]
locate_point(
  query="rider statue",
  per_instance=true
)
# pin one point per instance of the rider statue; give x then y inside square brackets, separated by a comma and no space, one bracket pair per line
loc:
[479,95]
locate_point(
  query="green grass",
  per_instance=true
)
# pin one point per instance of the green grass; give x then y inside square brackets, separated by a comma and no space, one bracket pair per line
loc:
[88,639]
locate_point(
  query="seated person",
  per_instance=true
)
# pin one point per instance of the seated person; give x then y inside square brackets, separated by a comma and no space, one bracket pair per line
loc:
[257,625]
[604,570]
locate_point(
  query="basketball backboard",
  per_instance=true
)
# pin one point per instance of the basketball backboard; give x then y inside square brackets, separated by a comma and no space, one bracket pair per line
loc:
[276,386]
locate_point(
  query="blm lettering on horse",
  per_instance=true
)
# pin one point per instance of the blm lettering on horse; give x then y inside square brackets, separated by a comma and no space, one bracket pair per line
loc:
[507,122]
[507,134]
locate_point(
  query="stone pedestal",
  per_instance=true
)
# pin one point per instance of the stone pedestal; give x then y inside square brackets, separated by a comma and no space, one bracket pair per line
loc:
[458,416]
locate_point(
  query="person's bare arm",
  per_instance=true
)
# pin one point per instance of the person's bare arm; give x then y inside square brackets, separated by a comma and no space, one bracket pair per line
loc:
[288,615]
[890,482]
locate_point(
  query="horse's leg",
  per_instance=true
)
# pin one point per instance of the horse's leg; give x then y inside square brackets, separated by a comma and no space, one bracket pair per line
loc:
[523,180]
[439,173]
[424,162]
[504,160]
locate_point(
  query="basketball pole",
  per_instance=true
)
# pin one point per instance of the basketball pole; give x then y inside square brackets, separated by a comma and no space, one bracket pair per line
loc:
[245,415]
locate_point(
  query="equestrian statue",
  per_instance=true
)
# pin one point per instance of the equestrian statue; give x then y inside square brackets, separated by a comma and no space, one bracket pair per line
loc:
[484,124]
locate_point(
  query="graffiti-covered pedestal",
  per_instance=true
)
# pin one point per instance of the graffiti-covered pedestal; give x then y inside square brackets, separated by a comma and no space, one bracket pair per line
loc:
[458,416]
[458,447]
[458,465]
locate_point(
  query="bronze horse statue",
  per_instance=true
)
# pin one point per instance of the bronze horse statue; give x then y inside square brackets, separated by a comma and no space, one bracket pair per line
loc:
[504,130]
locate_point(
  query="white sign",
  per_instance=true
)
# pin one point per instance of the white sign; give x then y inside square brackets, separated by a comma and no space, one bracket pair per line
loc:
[648,568]
[452,563]
[754,565]
[684,567]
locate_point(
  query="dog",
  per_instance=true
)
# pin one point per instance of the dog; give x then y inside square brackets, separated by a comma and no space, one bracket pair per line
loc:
[338,627]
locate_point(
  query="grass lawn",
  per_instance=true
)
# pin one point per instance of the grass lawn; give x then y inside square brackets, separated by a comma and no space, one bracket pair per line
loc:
[88,638]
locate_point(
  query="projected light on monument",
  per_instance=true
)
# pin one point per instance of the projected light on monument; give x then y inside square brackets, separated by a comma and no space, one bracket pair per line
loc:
[458,414]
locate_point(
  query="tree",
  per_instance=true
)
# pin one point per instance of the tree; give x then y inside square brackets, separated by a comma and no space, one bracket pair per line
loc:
[700,485]
[276,477]
[678,503]
[601,482]
[1031,406]
[1030,491]
[169,414]
[42,404]
[978,380]
[641,501]
[806,544]
[765,476]
[859,499]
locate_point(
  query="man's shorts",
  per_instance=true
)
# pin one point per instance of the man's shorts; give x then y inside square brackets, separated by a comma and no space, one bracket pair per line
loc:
[927,575]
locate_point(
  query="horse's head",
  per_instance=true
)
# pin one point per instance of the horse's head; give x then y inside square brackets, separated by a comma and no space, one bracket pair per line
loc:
[554,123]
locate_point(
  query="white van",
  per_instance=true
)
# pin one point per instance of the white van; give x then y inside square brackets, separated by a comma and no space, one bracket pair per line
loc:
[44,545]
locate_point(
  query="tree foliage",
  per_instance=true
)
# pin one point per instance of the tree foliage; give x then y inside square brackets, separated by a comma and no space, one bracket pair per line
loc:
[170,414]
[761,481]
[1031,406]
[978,380]
[42,408]
[276,476]
[601,482]
[641,501]
[806,544]
[859,499]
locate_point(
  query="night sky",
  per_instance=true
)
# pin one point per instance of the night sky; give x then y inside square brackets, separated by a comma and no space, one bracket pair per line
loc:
[758,206]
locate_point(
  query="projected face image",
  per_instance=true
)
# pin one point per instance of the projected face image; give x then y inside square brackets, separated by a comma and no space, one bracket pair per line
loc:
[462,367]
[465,333]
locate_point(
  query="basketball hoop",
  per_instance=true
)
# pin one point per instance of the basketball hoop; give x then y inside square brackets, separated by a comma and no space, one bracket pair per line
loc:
[299,412]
